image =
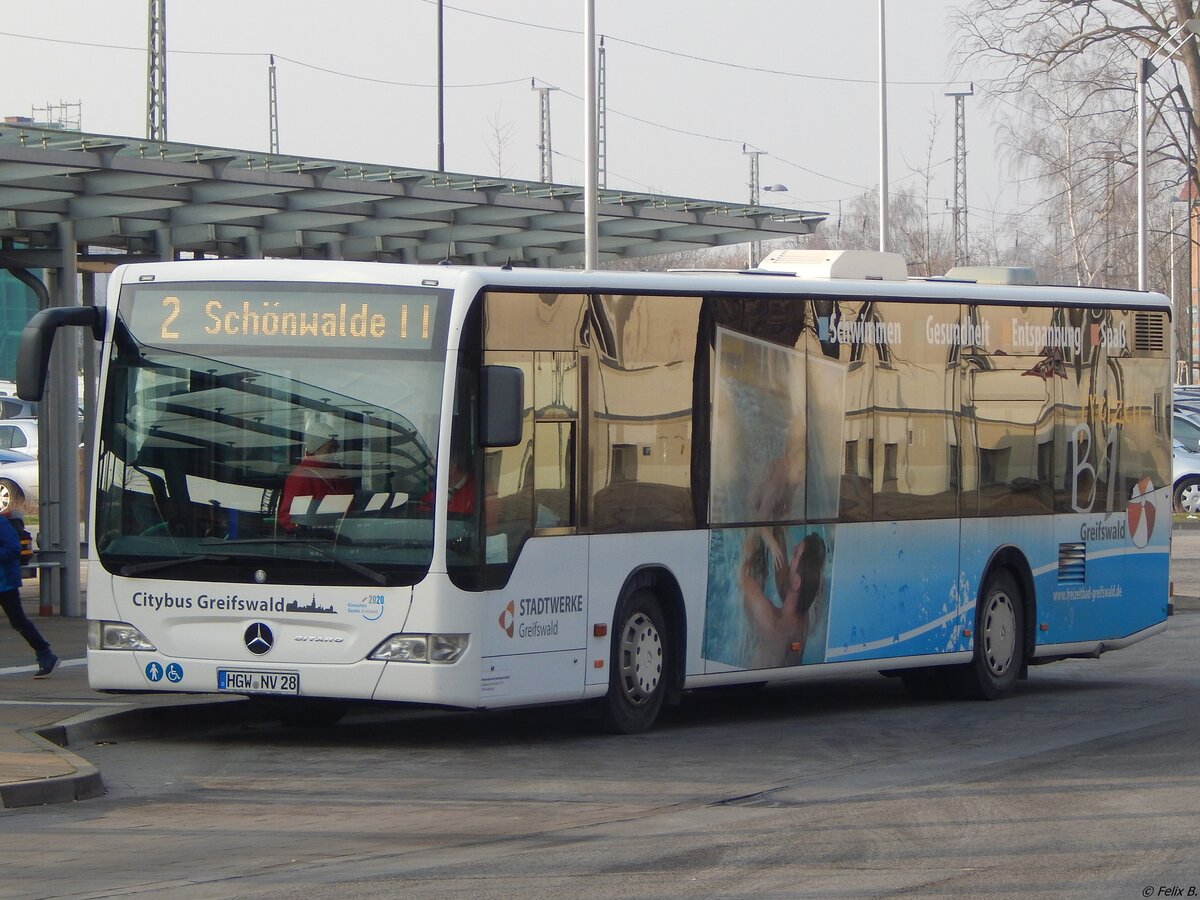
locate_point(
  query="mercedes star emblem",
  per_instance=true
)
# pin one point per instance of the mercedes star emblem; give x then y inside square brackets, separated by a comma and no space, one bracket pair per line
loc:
[259,639]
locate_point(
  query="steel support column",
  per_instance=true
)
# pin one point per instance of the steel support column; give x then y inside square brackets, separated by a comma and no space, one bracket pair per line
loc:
[58,452]
[91,369]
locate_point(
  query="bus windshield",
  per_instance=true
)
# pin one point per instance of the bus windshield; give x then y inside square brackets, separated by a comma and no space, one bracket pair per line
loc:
[271,433]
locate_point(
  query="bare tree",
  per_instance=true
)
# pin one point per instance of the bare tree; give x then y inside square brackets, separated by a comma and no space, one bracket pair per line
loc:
[1071,140]
[918,222]
[1070,68]
[913,229]
[501,137]
[1101,40]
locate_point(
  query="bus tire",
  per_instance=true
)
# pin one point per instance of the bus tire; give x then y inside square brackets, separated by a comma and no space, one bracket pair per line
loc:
[639,666]
[999,642]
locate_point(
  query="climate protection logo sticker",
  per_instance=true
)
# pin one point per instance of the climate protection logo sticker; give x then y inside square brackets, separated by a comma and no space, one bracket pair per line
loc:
[369,607]
[1140,513]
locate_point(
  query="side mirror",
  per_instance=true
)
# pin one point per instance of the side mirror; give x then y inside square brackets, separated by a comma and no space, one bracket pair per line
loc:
[501,405]
[37,338]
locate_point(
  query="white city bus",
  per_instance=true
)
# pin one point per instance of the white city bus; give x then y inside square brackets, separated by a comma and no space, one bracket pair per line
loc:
[496,487]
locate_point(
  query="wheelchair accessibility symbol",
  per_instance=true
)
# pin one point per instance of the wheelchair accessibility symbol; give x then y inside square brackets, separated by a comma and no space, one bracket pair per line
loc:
[155,672]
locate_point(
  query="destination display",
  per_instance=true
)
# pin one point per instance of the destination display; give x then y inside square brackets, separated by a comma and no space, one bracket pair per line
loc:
[280,315]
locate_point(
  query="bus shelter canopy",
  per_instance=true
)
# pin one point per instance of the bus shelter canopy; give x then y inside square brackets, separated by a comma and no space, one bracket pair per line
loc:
[150,199]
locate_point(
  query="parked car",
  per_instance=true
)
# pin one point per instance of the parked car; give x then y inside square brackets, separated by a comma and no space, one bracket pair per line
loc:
[1185,470]
[1185,460]
[18,480]
[16,408]
[19,434]
[1185,429]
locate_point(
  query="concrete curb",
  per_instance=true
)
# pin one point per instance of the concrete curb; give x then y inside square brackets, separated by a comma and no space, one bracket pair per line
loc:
[150,721]
[83,783]
[1181,602]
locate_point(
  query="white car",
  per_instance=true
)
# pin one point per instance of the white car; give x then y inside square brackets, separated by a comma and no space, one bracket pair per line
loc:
[18,480]
[16,408]
[19,434]
[1185,461]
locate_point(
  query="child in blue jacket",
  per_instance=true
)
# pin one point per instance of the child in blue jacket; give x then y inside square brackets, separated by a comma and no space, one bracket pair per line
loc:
[10,599]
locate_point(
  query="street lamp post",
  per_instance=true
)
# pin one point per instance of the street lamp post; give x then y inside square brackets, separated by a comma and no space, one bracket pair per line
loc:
[1187,364]
[883,150]
[1189,317]
[591,168]
[755,246]
[1189,197]
[441,93]
[1171,257]
[1145,68]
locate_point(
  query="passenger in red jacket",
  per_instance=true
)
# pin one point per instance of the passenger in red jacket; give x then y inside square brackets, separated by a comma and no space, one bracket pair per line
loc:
[461,499]
[317,476]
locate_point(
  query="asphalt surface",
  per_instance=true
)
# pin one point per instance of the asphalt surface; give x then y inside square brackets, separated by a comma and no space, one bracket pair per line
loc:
[40,718]
[32,769]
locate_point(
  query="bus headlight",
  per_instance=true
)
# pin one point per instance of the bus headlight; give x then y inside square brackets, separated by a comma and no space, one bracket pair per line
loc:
[421,648]
[116,636]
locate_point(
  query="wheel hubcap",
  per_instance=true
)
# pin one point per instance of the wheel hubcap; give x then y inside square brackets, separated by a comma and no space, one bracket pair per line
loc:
[1189,499]
[999,633]
[641,656]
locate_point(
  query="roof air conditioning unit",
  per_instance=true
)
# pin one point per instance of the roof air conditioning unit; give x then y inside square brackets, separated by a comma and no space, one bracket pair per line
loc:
[863,264]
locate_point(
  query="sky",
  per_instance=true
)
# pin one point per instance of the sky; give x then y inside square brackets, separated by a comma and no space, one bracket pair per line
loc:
[689,82]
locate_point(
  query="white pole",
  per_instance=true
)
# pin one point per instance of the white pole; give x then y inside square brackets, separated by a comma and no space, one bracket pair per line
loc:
[441,91]
[1171,252]
[1143,72]
[883,152]
[591,184]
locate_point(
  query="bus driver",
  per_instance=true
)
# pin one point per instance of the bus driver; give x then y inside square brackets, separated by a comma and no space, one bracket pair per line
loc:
[317,476]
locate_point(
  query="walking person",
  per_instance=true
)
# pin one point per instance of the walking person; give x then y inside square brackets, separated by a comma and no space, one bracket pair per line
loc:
[10,599]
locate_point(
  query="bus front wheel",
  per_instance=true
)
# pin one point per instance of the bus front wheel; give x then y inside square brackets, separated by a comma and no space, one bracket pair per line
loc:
[638,669]
[999,642]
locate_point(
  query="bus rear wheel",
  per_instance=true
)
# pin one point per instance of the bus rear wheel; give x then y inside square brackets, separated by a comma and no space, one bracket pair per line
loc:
[999,642]
[638,670]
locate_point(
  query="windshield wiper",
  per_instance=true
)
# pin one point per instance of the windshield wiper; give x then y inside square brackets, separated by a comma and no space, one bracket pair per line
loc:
[155,565]
[378,577]
[358,568]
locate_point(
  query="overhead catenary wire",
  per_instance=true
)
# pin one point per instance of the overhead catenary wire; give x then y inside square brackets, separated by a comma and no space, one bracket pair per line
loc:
[265,55]
[523,79]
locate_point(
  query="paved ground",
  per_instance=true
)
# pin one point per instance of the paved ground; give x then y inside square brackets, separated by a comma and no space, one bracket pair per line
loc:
[37,716]
[35,713]
[32,769]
